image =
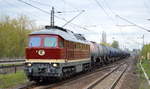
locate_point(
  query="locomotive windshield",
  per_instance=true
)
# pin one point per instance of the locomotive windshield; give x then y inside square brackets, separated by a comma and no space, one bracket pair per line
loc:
[50,42]
[43,41]
[34,41]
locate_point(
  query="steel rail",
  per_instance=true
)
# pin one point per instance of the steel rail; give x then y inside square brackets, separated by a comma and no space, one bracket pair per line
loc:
[118,79]
[92,85]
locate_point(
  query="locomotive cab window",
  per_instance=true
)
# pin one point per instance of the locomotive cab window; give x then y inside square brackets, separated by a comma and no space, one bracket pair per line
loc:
[50,42]
[34,41]
[61,44]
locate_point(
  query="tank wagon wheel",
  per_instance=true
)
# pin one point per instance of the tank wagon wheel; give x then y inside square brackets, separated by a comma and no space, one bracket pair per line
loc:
[108,61]
[105,60]
[86,67]
[93,61]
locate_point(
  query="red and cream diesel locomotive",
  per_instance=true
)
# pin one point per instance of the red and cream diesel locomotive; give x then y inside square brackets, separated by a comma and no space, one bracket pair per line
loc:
[56,53]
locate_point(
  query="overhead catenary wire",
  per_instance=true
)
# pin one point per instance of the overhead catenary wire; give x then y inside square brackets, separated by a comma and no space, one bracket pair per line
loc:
[123,34]
[109,7]
[44,4]
[107,14]
[49,14]
[84,28]
[41,10]
[69,4]
[101,7]
[133,23]
[121,16]
[16,6]
[73,18]
[113,13]
[34,6]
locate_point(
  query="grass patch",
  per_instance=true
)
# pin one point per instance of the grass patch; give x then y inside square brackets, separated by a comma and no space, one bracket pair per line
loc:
[146,65]
[142,79]
[10,80]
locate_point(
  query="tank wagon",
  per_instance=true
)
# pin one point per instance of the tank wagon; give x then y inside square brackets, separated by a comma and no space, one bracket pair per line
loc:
[103,54]
[56,53]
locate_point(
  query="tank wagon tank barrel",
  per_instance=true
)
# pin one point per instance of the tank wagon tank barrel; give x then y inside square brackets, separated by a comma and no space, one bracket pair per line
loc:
[105,54]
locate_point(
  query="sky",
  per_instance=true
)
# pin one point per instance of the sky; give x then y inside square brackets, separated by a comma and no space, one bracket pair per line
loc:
[98,16]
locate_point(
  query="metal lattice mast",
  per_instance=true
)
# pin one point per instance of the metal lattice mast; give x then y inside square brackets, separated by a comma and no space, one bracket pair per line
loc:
[52,17]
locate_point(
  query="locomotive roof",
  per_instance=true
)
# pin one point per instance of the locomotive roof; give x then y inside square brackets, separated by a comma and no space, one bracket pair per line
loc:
[64,33]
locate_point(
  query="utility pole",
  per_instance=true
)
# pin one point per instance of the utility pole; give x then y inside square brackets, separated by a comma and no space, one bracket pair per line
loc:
[143,39]
[52,17]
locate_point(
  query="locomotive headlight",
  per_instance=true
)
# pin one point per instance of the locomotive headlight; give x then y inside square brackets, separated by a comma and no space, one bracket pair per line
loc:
[29,64]
[55,65]
[41,52]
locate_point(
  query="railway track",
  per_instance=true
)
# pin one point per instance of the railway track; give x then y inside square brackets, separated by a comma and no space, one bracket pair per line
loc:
[109,80]
[79,81]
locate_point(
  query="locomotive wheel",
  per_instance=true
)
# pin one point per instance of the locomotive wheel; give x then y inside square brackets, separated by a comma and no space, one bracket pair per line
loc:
[68,72]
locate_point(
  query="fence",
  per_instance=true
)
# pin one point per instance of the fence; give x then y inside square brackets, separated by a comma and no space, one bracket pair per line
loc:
[11,68]
[11,60]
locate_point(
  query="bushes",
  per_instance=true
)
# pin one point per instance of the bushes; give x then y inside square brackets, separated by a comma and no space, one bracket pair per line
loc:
[145,51]
[13,36]
[146,65]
